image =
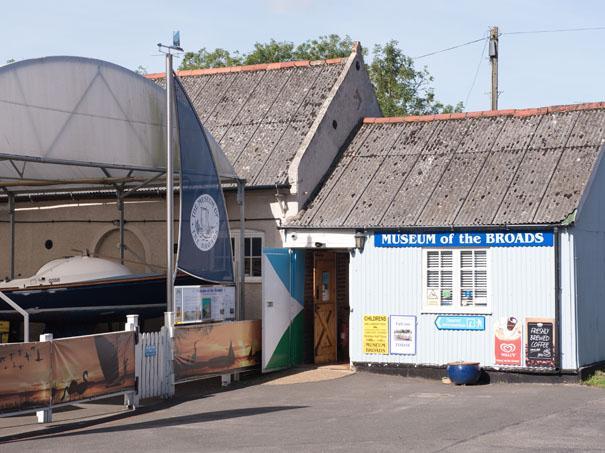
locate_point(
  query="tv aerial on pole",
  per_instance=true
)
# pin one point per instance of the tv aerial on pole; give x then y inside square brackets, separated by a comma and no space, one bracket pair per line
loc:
[170,267]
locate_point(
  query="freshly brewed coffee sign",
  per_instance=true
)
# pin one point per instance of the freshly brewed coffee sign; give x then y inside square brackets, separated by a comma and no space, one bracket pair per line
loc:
[540,343]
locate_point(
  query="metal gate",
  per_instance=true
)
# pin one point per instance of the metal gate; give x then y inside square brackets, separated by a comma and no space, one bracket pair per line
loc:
[155,359]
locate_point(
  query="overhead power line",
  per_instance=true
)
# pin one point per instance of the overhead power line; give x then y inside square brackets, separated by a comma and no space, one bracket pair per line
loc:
[520,32]
[468,95]
[555,30]
[450,48]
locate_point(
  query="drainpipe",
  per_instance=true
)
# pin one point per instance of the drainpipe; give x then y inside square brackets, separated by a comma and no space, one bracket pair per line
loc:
[557,300]
[121,211]
[240,312]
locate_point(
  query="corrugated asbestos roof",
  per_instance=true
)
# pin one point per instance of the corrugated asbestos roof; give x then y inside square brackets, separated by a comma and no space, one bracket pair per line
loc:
[260,114]
[486,168]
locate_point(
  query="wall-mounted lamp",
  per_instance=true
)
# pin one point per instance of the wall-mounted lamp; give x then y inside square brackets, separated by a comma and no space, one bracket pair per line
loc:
[360,240]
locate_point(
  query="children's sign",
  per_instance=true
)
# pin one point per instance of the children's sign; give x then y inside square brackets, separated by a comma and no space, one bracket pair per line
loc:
[375,334]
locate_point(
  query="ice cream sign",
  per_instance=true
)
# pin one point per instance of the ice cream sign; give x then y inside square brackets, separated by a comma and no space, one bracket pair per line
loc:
[466,239]
[508,341]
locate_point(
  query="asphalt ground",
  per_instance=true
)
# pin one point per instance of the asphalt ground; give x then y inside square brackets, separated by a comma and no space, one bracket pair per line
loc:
[359,412]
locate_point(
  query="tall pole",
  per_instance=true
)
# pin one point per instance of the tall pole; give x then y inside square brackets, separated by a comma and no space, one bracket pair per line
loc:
[493,58]
[169,190]
[11,250]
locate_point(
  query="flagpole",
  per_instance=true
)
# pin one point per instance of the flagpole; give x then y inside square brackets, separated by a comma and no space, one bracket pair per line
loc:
[169,189]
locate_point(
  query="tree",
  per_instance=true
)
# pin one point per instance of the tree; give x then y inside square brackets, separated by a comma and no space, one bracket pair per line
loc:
[141,70]
[400,88]
[203,59]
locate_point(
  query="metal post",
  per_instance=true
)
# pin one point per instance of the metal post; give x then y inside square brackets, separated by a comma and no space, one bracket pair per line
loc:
[11,250]
[169,356]
[45,415]
[131,399]
[240,312]
[169,190]
[493,58]
[121,211]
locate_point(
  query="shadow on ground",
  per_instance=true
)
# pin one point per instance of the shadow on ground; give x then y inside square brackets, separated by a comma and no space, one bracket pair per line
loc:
[68,430]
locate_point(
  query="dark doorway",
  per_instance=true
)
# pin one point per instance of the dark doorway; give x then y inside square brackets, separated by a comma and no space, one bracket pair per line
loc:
[326,333]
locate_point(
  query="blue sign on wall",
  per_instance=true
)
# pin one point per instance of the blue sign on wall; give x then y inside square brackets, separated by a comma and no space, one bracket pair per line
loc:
[460,322]
[150,350]
[466,239]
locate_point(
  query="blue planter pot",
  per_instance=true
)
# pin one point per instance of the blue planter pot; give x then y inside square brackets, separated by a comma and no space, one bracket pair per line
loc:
[464,373]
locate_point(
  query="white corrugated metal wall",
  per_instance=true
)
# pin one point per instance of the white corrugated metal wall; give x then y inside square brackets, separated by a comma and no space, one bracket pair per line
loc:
[389,281]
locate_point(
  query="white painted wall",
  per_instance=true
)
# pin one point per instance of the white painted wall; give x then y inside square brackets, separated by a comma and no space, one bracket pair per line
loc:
[589,253]
[389,281]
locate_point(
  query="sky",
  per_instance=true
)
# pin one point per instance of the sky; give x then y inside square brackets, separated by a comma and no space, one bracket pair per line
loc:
[537,69]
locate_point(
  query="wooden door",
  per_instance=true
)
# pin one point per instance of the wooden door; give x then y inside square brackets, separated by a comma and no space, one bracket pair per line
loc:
[324,304]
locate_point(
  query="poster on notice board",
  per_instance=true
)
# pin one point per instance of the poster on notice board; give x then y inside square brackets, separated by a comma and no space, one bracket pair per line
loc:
[204,303]
[402,334]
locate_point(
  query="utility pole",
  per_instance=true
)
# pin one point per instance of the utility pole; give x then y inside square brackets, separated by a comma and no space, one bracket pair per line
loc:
[493,58]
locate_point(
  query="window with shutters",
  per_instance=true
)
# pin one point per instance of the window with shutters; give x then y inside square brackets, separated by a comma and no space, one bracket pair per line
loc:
[455,281]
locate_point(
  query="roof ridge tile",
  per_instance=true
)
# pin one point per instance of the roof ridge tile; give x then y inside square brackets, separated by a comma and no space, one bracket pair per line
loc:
[487,113]
[252,67]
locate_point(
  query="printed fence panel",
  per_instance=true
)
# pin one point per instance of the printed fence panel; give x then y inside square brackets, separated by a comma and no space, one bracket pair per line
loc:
[24,376]
[212,349]
[92,366]
[153,378]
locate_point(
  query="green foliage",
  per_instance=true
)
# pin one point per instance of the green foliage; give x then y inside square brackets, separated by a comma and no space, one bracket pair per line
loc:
[10,60]
[324,48]
[596,380]
[142,70]
[400,88]
[271,51]
[218,58]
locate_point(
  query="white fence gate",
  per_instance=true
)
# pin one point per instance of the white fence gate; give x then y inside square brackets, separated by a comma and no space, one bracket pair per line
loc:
[155,356]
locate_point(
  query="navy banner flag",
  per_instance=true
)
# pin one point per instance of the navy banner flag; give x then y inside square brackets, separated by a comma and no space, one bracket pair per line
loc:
[204,241]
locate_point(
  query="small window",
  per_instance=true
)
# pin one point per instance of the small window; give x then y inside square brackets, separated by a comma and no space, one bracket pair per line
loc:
[456,280]
[253,254]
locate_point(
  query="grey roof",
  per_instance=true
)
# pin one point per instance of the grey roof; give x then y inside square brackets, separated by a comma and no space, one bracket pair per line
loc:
[477,169]
[261,114]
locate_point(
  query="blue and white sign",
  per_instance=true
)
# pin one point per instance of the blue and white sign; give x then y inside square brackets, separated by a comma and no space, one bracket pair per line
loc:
[459,322]
[466,239]
[150,350]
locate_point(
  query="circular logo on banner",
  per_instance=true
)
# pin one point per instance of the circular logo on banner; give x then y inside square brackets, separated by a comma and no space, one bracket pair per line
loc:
[204,222]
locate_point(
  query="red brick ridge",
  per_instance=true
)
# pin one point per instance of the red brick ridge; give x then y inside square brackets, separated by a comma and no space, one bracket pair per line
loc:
[488,113]
[252,67]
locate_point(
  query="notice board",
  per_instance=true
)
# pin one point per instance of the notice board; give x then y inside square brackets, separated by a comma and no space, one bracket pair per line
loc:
[375,334]
[540,342]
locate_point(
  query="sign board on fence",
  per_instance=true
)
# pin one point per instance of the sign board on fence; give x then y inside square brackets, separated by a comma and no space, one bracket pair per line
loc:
[402,334]
[508,338]
[90,366]
[24,376]
[540,342]
[151,350]
[460,322]
[37,375]
[209,349]
[375,334]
